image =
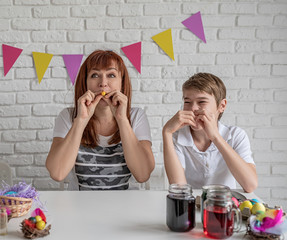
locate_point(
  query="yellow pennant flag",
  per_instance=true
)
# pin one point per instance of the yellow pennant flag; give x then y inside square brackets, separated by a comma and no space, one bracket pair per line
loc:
[164,41]
[42,61]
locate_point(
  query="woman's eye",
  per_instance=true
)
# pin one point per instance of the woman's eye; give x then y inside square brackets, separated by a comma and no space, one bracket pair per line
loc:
[112,75]
[186,102]
[94,75]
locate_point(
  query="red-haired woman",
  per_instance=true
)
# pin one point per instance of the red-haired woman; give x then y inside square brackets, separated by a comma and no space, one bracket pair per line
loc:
[102,140]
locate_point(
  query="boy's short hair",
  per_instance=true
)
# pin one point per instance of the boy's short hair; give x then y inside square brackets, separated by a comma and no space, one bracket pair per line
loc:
[209,83]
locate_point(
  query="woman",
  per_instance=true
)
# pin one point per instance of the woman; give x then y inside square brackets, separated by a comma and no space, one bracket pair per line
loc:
[103,137]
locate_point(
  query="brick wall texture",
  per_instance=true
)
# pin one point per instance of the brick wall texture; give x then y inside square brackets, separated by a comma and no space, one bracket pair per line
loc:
[246,46]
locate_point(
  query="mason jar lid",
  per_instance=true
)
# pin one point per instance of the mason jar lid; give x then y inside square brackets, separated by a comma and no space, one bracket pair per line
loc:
[180,188]
[215,187]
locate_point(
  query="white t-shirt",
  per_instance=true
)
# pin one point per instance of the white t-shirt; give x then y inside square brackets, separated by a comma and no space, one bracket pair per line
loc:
[77,178]
[209,167]
[139,125]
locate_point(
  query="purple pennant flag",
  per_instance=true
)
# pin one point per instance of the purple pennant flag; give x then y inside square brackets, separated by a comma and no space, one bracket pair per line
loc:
[73,63]
[194,24]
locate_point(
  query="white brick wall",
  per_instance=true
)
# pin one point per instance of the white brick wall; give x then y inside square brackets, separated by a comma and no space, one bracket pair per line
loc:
[246,47]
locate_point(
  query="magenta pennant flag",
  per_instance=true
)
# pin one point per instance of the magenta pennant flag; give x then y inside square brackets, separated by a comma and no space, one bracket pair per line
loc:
[10,55]
[194,24]
[133,53]
[73,63]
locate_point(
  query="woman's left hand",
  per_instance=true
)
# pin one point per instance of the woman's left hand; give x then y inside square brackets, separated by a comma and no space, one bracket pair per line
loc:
[118,103]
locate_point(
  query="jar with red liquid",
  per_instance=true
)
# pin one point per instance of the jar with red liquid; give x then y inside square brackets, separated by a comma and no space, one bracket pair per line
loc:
[221,215]
[204,193]
[180,208]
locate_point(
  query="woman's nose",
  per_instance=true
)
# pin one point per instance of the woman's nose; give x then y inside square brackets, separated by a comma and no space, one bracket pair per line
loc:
[103,82]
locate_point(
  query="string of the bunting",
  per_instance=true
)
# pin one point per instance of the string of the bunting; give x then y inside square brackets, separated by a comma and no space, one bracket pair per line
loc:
[132,52]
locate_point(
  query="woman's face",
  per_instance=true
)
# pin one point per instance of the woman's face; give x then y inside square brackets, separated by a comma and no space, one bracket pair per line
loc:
[107,80]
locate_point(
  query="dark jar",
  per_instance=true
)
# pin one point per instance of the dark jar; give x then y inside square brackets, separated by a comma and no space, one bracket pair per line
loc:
[180,208]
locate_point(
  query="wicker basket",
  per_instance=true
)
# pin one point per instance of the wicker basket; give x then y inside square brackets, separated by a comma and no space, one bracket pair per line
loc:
[18,206]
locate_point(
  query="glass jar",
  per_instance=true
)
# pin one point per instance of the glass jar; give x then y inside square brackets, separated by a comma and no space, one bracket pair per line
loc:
[204,193]
[3,221]
[180,208]
[221,215]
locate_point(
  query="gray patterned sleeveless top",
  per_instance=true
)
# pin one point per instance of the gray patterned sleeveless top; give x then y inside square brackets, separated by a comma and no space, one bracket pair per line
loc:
[102,168]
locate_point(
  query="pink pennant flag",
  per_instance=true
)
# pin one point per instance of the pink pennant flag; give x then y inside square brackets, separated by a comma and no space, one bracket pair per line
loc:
[194,24]
[73,63]
[133,53]
[10,55]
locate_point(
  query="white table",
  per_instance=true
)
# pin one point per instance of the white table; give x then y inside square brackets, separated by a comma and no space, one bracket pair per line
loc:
[109,215]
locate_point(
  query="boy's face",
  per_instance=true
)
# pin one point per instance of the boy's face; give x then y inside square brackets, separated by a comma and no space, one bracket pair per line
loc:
[196,100]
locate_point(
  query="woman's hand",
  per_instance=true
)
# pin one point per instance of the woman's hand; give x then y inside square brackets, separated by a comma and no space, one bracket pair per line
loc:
[118,103]
[179,120]
[87,104]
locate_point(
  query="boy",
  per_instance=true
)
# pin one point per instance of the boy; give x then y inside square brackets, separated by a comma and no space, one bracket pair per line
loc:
[198,149]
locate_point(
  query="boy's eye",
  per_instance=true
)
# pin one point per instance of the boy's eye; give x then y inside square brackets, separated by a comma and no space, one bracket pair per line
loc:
[201,102]
[186,102]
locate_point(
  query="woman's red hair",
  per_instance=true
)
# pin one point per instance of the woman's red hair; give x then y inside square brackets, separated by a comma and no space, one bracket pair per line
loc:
[100,59]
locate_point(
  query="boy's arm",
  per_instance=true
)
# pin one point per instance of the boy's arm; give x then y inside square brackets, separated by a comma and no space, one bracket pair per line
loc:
[243,172]
[173,167]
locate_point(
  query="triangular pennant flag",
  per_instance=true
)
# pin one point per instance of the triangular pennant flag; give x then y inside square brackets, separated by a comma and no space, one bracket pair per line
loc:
[164,41]
[133,53]
[194,24]
[73,63]
[42,61]
[10,55]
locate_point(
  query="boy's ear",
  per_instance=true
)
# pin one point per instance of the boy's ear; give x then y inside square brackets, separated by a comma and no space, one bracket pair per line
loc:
[222,105]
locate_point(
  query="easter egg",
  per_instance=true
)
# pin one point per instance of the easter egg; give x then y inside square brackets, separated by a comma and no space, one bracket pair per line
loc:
[254,200]
[38,218]
[245,204]
[10,193]
[235,201]
[32,219]
[258,207]
[40,225]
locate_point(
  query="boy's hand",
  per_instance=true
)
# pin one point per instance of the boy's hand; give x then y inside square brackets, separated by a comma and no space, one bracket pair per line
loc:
[179,120]
[208,122]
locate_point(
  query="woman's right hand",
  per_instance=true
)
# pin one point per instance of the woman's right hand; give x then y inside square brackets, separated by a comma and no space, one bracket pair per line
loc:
[179,120]
[87,104]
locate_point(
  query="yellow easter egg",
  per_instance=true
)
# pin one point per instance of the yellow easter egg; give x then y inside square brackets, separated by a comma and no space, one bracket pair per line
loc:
[258,207]
[38,218]
[40,225]
[245,204]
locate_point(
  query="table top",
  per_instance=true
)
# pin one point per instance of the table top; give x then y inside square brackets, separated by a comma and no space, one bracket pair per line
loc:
[131,214]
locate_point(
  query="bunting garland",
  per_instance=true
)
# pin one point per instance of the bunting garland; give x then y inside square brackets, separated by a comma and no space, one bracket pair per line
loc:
[42,61]
[132,51]
[164,41]
[10,55]
[73,63]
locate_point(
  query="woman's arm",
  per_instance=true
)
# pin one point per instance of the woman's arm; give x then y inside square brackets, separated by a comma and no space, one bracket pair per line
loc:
[62,155]
[138,154]
[63,152]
